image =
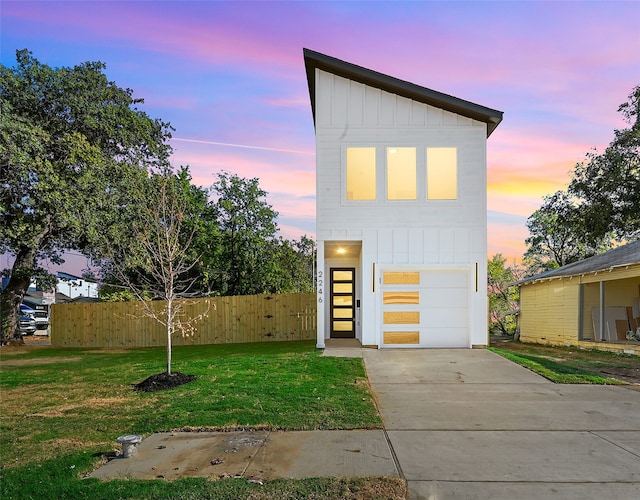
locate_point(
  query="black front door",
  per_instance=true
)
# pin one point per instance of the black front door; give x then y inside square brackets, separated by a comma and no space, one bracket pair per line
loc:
[343,301]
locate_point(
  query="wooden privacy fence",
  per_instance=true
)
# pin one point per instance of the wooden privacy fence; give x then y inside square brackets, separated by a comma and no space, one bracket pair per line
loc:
[249,318]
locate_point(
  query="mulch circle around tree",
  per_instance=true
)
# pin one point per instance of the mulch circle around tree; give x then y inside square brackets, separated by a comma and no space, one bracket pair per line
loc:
[163,381]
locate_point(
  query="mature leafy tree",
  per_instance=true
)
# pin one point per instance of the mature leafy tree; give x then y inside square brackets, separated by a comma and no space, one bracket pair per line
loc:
[557,235]
[156,260]
[241,252]
[295,265]
[71,141]
[503,295]
[201,226]
[248,229]
[306,264]
[601,205]
[236,244]
[608,184]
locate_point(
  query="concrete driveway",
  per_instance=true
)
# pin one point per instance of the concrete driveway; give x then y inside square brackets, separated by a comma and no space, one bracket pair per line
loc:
[471,424]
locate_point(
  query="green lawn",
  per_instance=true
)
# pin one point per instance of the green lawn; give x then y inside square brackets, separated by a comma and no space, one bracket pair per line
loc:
[62,411]
[570,365]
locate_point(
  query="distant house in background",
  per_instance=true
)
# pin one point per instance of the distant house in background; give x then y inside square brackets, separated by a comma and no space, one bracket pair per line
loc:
[33,296]
[69,288]
[75,287]
[593,303]
[401,212]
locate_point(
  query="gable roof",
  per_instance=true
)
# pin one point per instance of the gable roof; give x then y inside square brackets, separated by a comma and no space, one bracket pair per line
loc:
[621,256]
[313,60]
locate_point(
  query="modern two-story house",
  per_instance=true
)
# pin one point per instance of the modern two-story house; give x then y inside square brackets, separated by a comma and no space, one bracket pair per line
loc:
[401,209]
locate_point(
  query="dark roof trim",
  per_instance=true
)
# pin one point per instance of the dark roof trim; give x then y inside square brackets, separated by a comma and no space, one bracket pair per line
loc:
[313,60]
[626,255]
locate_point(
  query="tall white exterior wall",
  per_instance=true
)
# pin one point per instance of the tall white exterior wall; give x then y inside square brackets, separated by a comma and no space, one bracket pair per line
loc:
[420,234]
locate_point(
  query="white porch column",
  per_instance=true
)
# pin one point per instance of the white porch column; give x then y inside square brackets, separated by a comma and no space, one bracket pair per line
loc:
[602,313]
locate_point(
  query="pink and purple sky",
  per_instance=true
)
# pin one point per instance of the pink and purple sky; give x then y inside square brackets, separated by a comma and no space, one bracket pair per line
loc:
[229,76]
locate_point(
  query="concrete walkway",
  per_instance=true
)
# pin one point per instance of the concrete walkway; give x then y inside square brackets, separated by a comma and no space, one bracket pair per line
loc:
[458,424]
[256,455]
[470,424]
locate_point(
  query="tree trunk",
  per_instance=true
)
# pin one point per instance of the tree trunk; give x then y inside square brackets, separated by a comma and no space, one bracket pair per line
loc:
[17,286]
[169,334]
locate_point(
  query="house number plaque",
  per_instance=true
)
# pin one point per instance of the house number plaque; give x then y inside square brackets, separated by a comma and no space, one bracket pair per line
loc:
[320,285]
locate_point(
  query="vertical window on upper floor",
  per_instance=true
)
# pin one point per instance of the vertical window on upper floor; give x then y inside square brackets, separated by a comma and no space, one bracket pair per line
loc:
[401,173]
[361,173]
[442,173]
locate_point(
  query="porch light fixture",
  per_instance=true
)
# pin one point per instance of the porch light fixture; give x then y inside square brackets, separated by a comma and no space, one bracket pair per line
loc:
[341,251]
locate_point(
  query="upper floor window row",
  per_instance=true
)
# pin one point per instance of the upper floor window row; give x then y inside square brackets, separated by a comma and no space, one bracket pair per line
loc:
[402,174]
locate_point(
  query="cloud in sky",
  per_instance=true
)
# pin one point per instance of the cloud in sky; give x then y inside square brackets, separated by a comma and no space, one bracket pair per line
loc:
[230,78]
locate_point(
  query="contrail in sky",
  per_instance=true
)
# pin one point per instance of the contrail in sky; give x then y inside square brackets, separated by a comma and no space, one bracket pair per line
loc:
[242,146]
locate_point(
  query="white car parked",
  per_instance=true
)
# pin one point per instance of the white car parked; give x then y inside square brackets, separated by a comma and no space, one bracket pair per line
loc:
[41,317]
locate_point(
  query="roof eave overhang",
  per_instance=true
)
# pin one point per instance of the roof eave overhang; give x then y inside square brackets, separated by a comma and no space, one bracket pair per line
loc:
[315,60]
[542,278]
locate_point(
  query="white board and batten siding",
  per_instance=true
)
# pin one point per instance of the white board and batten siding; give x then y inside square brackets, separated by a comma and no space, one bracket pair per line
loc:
[393,121]
[443,240]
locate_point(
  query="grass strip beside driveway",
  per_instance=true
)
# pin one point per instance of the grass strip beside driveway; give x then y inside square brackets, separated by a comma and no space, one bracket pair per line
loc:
[571,365]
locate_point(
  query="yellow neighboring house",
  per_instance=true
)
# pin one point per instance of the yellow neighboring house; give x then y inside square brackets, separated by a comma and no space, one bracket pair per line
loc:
[593,304]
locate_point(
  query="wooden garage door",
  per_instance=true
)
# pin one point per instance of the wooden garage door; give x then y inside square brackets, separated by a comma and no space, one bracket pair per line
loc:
[426,308]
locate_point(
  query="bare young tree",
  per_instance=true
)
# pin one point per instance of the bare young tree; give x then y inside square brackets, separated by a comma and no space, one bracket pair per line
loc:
[156,259]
